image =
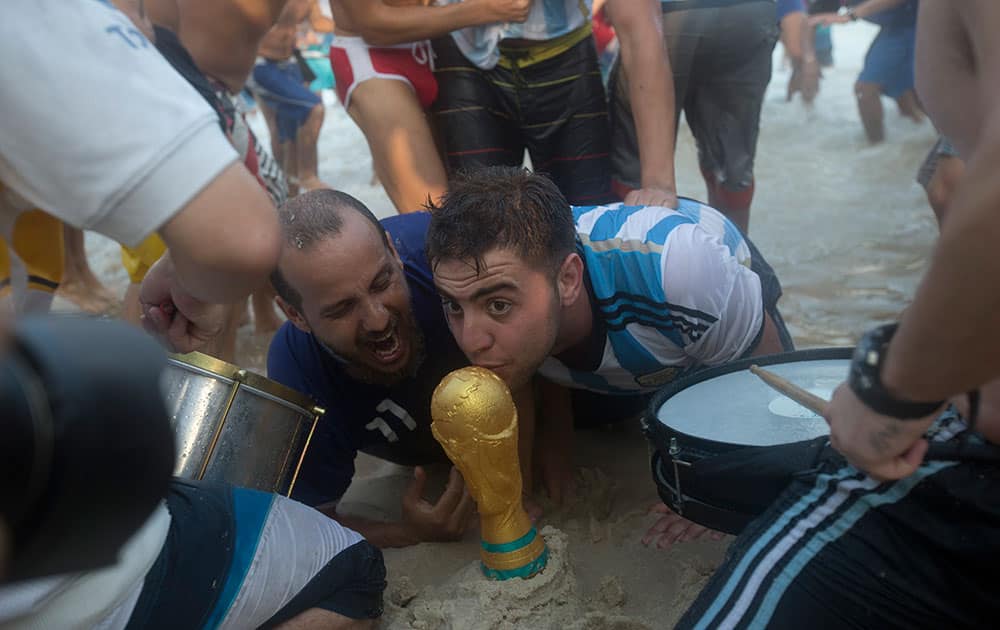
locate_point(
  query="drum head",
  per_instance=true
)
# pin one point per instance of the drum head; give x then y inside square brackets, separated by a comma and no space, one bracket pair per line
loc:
[730,405]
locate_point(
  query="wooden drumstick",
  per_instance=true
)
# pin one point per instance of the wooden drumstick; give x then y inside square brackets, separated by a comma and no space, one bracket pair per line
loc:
[807,399]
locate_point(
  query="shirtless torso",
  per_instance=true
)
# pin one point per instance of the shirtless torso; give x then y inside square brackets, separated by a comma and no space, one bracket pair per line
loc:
[223,36]
[346,26]
[279,42]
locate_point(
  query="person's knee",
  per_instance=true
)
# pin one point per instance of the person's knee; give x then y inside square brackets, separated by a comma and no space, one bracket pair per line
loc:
[867,91]
[942,185]
[314,120]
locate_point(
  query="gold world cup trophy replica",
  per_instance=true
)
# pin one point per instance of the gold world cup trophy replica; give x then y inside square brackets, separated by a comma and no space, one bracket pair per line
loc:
[476,422]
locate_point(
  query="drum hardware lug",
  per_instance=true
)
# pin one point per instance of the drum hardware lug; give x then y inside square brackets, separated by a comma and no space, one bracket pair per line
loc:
[674,451]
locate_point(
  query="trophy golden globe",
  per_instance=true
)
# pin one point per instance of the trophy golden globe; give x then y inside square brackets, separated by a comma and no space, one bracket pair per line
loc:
[475,420]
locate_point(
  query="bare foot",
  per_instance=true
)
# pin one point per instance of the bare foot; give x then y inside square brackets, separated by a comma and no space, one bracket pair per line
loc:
[673,528]
[312,183]
[90,297]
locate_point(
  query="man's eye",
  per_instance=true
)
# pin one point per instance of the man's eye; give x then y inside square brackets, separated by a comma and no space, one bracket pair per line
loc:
[499,307]
[382,283]
[451,308]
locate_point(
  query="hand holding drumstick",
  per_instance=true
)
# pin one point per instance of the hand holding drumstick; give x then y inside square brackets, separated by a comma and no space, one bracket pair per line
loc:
[936,451]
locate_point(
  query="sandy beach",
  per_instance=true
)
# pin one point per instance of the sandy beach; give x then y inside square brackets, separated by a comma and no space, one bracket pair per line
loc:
[847,231]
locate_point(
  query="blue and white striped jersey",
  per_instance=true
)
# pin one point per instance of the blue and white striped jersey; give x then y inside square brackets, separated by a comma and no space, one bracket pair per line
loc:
[673,288]
[547,19]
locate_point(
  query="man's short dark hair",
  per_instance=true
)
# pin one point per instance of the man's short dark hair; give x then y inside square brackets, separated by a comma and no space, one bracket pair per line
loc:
[501,207]
[309,218]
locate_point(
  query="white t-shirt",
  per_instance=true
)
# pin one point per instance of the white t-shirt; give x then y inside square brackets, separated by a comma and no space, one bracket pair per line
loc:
[673,289]
[97,128]
[94,600]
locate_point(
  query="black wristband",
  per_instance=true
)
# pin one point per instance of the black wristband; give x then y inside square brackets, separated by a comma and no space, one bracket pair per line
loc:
[866,381]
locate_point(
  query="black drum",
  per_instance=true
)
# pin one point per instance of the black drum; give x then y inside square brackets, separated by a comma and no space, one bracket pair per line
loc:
[725,444]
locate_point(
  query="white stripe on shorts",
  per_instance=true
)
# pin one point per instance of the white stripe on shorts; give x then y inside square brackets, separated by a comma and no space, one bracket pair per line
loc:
[295,543]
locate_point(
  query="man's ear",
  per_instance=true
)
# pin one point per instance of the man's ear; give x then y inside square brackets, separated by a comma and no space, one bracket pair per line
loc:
[293,314]
[569,280]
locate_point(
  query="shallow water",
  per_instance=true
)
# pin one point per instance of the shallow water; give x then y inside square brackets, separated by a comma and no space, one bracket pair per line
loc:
[843,223]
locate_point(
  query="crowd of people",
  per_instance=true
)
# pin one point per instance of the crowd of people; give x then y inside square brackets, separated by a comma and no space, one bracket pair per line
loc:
[586,283]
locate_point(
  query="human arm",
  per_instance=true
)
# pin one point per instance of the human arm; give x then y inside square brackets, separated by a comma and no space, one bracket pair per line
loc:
[860,11]
[798,38]
[423,521]
[225,241]
[947,342]
[644,59]
[381,24]
[129,164]
[959,285]
[318,21]
[553,447]
[223,36]
[221,246]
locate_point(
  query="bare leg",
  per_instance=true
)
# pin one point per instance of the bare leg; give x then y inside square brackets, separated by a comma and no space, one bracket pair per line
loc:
[943,184]
[131,309]
[308,157]
[318,619]
[283,152]
[735,204]
[290,165]
[265,318]
[909,106]
[79,284]
[869,97]
[271,118]
[224,345]
[403,150]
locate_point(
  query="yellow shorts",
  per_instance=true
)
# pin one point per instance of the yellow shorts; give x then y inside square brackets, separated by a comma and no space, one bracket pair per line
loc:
[38,243]
[139,259]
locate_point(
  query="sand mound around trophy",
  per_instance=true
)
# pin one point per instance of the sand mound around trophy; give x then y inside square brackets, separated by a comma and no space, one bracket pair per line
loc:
[550,600]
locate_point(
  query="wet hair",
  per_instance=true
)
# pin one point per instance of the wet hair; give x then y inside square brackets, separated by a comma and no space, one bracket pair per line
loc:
[501,207]
[310,218]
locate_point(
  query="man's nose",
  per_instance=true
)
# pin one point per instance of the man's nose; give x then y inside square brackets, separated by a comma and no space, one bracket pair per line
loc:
[376,317]
[477,337]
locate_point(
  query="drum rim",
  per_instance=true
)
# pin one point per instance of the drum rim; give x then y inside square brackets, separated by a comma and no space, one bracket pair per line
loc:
[671,389]
[252,380]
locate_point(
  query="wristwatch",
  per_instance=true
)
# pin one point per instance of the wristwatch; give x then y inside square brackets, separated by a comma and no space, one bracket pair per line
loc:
[865,378]
[849,12]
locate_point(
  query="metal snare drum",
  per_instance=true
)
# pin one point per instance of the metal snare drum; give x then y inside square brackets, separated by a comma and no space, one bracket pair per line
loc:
[725,444]
[236,426]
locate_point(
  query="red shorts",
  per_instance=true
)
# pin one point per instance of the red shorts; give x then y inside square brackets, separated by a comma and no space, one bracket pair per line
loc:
[353,62]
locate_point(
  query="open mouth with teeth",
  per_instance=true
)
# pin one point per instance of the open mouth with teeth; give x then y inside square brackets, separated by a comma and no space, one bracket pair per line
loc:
[387,348]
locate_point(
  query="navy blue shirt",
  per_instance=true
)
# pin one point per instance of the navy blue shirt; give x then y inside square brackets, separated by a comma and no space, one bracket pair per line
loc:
[790,6]
[392,423]
[904,15]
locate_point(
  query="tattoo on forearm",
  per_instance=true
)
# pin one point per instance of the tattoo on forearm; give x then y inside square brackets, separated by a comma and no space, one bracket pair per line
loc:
[880,439]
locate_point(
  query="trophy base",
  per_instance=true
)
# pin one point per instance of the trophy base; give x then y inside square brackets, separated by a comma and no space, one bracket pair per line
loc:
[529,570]
[521,558]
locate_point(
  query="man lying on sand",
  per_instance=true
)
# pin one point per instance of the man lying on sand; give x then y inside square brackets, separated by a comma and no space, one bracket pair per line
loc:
[367,340]
[614,299]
